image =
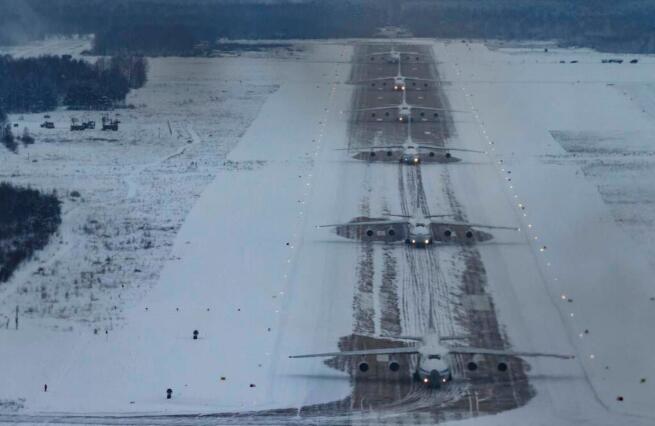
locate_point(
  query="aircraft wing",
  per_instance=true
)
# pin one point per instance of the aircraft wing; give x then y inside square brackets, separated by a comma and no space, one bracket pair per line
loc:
[387,351]
[436,109]
[377,108]
[385,53]
[367,223]
[444,148]
[389,53]
[373,79]
[498,352]
[368,148]
[422,79]
[478,225]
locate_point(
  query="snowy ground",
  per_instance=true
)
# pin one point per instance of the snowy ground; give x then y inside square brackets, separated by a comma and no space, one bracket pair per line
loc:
[231,219]
[91,287]
[73,46]
[135,186]
[572,156]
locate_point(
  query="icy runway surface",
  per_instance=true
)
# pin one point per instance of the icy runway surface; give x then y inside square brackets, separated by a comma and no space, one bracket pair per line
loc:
[238,257]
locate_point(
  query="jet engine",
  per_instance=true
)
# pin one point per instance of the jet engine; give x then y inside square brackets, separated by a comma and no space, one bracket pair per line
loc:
[474,363]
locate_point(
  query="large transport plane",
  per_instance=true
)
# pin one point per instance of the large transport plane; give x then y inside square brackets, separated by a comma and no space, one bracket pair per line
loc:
[394,56]
[409,152]
[399,82]
[418,230]
[404,111]
[434,358]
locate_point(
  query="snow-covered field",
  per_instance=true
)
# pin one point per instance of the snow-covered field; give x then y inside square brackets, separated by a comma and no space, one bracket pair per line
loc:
[135,186]
[73,46]
[206,203]
[89,309]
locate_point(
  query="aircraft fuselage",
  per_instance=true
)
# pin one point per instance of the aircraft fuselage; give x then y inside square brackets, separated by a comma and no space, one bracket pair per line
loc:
[419,235]
[433,370]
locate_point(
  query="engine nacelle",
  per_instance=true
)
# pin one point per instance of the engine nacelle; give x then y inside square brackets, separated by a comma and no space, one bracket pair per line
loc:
[394,366]
[469,234]
[369,233]
[363,367]
[502,366]
[448,155]
[391,232]
[448,233]
[474,363]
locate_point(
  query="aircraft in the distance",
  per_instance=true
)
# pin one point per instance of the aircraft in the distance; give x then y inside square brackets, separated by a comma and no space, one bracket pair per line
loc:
[394,56]
[404,111]
[409,152]
[434,358]
[418,230]
[399,82]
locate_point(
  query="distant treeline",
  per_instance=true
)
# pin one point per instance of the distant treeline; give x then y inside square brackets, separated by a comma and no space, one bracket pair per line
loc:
[42,84]
[10,141]
[174,26]
[174,29]
[6,135]
[27,219]
[607,25]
